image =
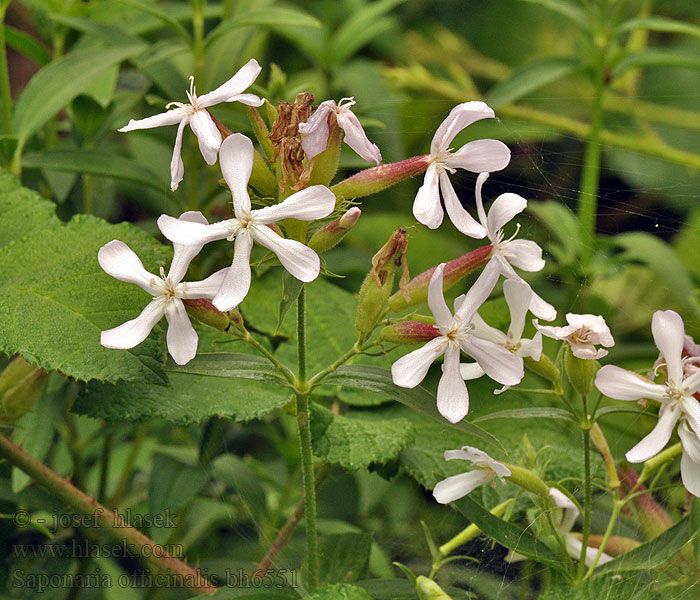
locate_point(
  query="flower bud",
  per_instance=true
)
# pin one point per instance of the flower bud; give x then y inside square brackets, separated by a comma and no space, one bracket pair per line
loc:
[427,589]
[615,546]
[528,480]
[652,518]
[20,386]
[377,286]
[325,164]
[330,235]
[544,368]
[581,372]
[376,179]
[261,178]
[416,290]
[262,133]
[205,312]
[409,333]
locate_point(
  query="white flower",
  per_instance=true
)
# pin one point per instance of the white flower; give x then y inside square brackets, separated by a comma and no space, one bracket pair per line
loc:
[456,487]
[249,225]
[675,395]
[195,115]
[316,131]
[457,334]
[477,156]
[524,254]
[518,295]
[119,261]
[584,333]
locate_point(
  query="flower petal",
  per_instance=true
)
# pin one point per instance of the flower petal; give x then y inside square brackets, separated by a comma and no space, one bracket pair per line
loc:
[503,210]
[188,233]
[479,292]
[483,330]
[436,298]
[524,254]
[169,117]
[412,368]
[309,204]
[456,487]
[208,136]
[654,442]
[480,156]
[517,295]
[182,338]
[531,348]
[668,331]
[355,136]
[316,130]
[690,474]
[300,260]
[452,393]
[460,218]
[236,160]
[469,371]
[622,384]
[498,363]
[691,411]
[236,283]
[133,332]
[426,206]
[183,254]
[460,116]
[177,168]
[542,309]
[241,81]
[121,262]
[207,288]
[690,441]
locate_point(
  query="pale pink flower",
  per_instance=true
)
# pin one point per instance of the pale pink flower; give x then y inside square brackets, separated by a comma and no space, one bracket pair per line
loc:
[250,226]
[477,156]
[196,115]
[119,261]
[583,333]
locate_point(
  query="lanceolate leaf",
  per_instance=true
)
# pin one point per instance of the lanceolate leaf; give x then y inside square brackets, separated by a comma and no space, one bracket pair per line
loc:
[565,8]
[245,366]
[662,24]
[375,379]
[536,412]
[656,58]
[28,46]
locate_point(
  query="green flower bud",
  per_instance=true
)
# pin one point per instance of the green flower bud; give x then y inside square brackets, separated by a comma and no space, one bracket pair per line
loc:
[544,368]
[205,312]
[527,480]
[581,372]
[429,590]
[330,235]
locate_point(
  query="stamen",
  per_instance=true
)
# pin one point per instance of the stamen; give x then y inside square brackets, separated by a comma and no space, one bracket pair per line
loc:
[512,237]
[350,102]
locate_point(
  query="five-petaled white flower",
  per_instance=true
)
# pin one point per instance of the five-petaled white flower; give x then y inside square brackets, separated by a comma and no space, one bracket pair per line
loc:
[249,225]
[477,156]
[584,333]
[195,115]
[456,487]
[676,396]
[119,261]
[524,254]
[457,333]
[316,131]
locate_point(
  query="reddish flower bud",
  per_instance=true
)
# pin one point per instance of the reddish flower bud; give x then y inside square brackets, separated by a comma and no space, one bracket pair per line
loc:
[409,333]
[330,235]
[652,518]
[205,312]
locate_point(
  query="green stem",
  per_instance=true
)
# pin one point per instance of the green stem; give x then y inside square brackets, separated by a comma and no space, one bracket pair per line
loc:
[104,466]
[301,335]
[356,349]
[5,90]
[617,506]
[587,491]
[283,369]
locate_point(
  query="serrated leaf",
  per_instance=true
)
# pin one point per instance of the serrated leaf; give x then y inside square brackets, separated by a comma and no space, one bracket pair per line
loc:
[536,412]
[376,379]
[656,58]
[344,557]
[173,484]
[55,299]
[189,399]
[94,162]
[360,439]
[654,553]
[62,80]
[662,24]
[530,78]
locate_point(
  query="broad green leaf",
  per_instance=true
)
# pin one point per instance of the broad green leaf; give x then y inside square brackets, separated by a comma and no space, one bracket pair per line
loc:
[507,534]
[62,80]
[359,439]
[56,299]
[274,15]
[167,19]
[656,58]
[95,162]
[536,412]
[654,553]
[565,8]
[530,78]
[189,399]
[173,484]
[662,24]
[376,379]
[341,591]
[245,366]
[563,224]
[344,557]
[233,471]
[26,45]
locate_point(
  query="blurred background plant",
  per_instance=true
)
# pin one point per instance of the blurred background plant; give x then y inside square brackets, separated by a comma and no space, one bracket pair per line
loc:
[598,102]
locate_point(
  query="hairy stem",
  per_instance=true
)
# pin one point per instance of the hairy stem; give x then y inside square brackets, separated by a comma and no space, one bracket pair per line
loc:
[5,90]
[587,491]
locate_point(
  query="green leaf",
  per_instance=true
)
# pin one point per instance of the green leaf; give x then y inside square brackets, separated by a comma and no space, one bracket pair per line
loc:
[245,366]
[376,379]
[26,45]
[173,484]
[56,299]
[606,410]
[273,15]
[695,526]
[291,288]
[566,9]
[564,225]
[359,439]
[530,78]
[189,399]
[615,587]
[344,557]
[662,24]
[168,20]
[341,591]
[535,412]
[654,553]
[62,80]
[507,534]
[656,58]
[232,470]
[95,162]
